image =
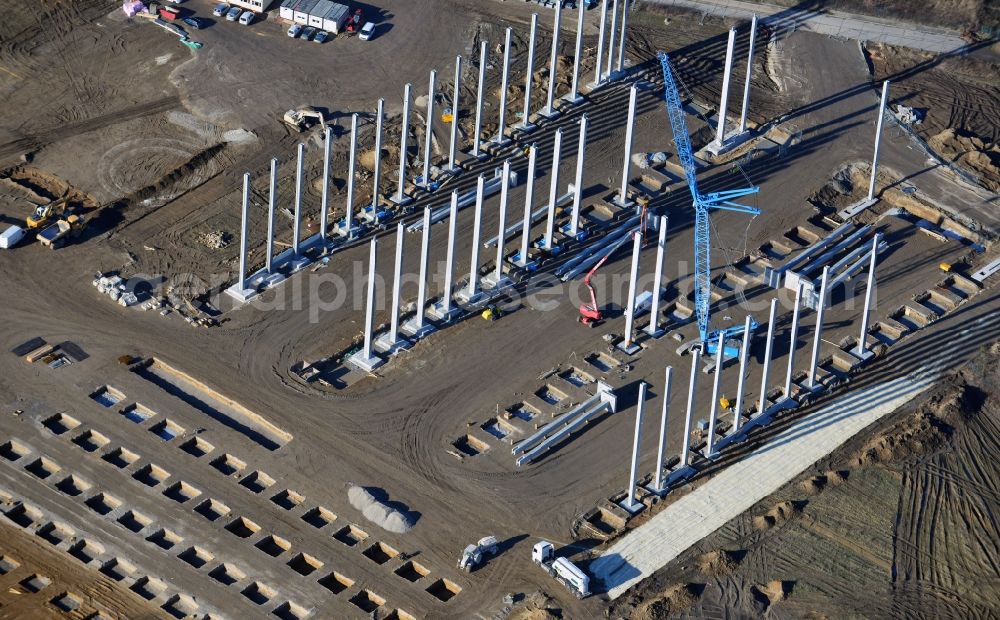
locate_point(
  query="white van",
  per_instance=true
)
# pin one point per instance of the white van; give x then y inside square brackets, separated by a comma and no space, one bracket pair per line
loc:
[367,31]
[11,237]
[246,18]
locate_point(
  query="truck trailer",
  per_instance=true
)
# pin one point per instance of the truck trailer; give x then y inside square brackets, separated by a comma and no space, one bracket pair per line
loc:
[567,573]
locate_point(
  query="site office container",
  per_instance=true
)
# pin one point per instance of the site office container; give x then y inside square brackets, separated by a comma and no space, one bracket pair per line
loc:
[316,14]
[336,17]
[302,11]
[169,13]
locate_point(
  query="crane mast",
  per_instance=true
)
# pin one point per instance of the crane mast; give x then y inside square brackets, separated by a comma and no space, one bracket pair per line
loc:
[723,200]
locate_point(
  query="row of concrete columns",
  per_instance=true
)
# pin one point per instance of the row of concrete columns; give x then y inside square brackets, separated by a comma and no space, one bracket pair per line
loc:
[711,450]
[720,129]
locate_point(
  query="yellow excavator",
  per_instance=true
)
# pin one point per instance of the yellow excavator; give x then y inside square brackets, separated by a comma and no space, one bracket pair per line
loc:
[44,214]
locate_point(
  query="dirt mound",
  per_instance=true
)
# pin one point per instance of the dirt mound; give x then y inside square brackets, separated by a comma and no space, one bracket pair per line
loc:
[772,592]
[973,152]
[923,432]
[779,514]
[719,563]
[667,605]
[380,513]
[816,484]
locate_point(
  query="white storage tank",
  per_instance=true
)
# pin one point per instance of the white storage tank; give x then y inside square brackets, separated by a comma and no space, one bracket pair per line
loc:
[573,575]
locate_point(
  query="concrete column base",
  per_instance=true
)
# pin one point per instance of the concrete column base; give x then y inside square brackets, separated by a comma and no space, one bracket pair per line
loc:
[850,211]
[412,330]
[499,142]
[624,204]
[298,263]
[550,113]
[525,128]
[350,233]
[490,282]
[553,249]
[385,344]
[730,142]
[527,265]
[438,313]
[581,232]
[400,200]
[631,349]
[631,505]
[654,333]
[679,475]
[366,364]
[241,294]
[571,100]
[464,297]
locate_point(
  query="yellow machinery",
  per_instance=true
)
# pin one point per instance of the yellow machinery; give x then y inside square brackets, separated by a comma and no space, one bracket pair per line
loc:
[57,234]
[725,403]
[301,118]
[447,116]
[491,313]
[44,213]
[945,267]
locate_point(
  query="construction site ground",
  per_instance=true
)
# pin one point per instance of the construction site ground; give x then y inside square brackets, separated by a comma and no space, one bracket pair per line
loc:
[225,474]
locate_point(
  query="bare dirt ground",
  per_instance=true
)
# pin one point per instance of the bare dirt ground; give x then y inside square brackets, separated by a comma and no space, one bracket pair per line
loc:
[900,522]
[958,98]
[118,115]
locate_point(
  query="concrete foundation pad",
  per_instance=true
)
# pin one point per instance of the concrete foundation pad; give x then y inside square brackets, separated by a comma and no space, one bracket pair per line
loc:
[297,264]
[437,313]
[631,349]
[654,333]
[464,297]
[241,294]
[633,507]
[367,364]
[495,286]
[571,100]
[400,200]
[529,265]
[850,211]
[500,143]
[679,475]
[411,330]
[351,233]
[627,204]
[731,141]
[550,114]
[581,232]
[525,128]
[385,344]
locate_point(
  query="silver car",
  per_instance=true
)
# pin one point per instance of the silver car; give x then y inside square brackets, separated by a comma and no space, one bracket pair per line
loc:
[233,14]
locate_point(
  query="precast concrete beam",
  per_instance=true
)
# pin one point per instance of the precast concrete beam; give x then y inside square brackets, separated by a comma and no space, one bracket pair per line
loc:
[599,66]
[574,95]
[501,138]
[366,359]
[297,217]
[549,111]
[878,139]
[862,349]
[658,480]
[526,125]
[629,503]
[818,333]
[744,351]
[477,137]
[622,199]
[653,329]
[456,94]
[417,327]
[324,208]
[710,451]
[686,440]
[401,198]
[720,131]
[746,83]
[529,190]
[272,197]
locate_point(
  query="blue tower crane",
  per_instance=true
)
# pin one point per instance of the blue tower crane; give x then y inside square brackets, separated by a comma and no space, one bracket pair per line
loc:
[723,200]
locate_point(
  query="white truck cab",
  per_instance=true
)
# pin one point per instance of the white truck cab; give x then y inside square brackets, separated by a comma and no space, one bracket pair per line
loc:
[542,552]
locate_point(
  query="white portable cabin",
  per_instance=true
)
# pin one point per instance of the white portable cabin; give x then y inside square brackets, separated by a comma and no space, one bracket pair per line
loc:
[287,9]
[573,575]
[11,237]
[302,11]
[336,17]
[316,13]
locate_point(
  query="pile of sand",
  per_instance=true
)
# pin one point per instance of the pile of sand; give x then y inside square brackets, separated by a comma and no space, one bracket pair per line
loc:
[776,516]
[718,563]
[667,605]
[380,514]
[972,152]
[816,484]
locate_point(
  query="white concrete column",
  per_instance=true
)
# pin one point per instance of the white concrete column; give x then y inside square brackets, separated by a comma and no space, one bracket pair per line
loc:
[501,236]
[244,230]
[272,196]
[325,203]
[574,95]
[550,223]
[632,283]
[653,329]
[818,333]
[525,122]
[417,326]
[378,158]
[297,219]
[714,410]
[449,270]
[553,58]
[623,39]
[622,193]
[349,213]
[746,83]
[792,338]
[878,138]
[611,37]
[456,93]
[862,349]
[401,196]
[476,138]
[662,445]
[428,138]
[598,73]
[744,351]
[502,139]
[529,191]
[630,504]
[397,283]
[370,301]
[472,290]
[720,130]
[686,445]
[581,149]
[764,377]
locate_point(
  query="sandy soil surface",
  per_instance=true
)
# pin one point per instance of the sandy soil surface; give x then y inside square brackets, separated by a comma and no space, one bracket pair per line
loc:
[898,522]
[162,142]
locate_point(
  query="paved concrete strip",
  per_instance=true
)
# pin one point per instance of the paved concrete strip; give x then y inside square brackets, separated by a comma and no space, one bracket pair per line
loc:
[737,488]
[833,23]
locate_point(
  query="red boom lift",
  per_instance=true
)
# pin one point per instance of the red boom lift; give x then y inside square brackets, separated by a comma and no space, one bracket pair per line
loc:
[590,314]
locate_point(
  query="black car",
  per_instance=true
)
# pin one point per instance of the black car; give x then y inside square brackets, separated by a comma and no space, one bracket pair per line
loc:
[194,22]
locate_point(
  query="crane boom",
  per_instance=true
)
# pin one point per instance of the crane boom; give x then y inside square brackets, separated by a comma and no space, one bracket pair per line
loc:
[702,203]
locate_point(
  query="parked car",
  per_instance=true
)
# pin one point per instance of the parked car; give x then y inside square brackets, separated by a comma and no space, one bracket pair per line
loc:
[322,36]
[233,14]
[220,9]
[294,30]
[308,33]
[177,1]
[367,31]
[194,22]
[247,18]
